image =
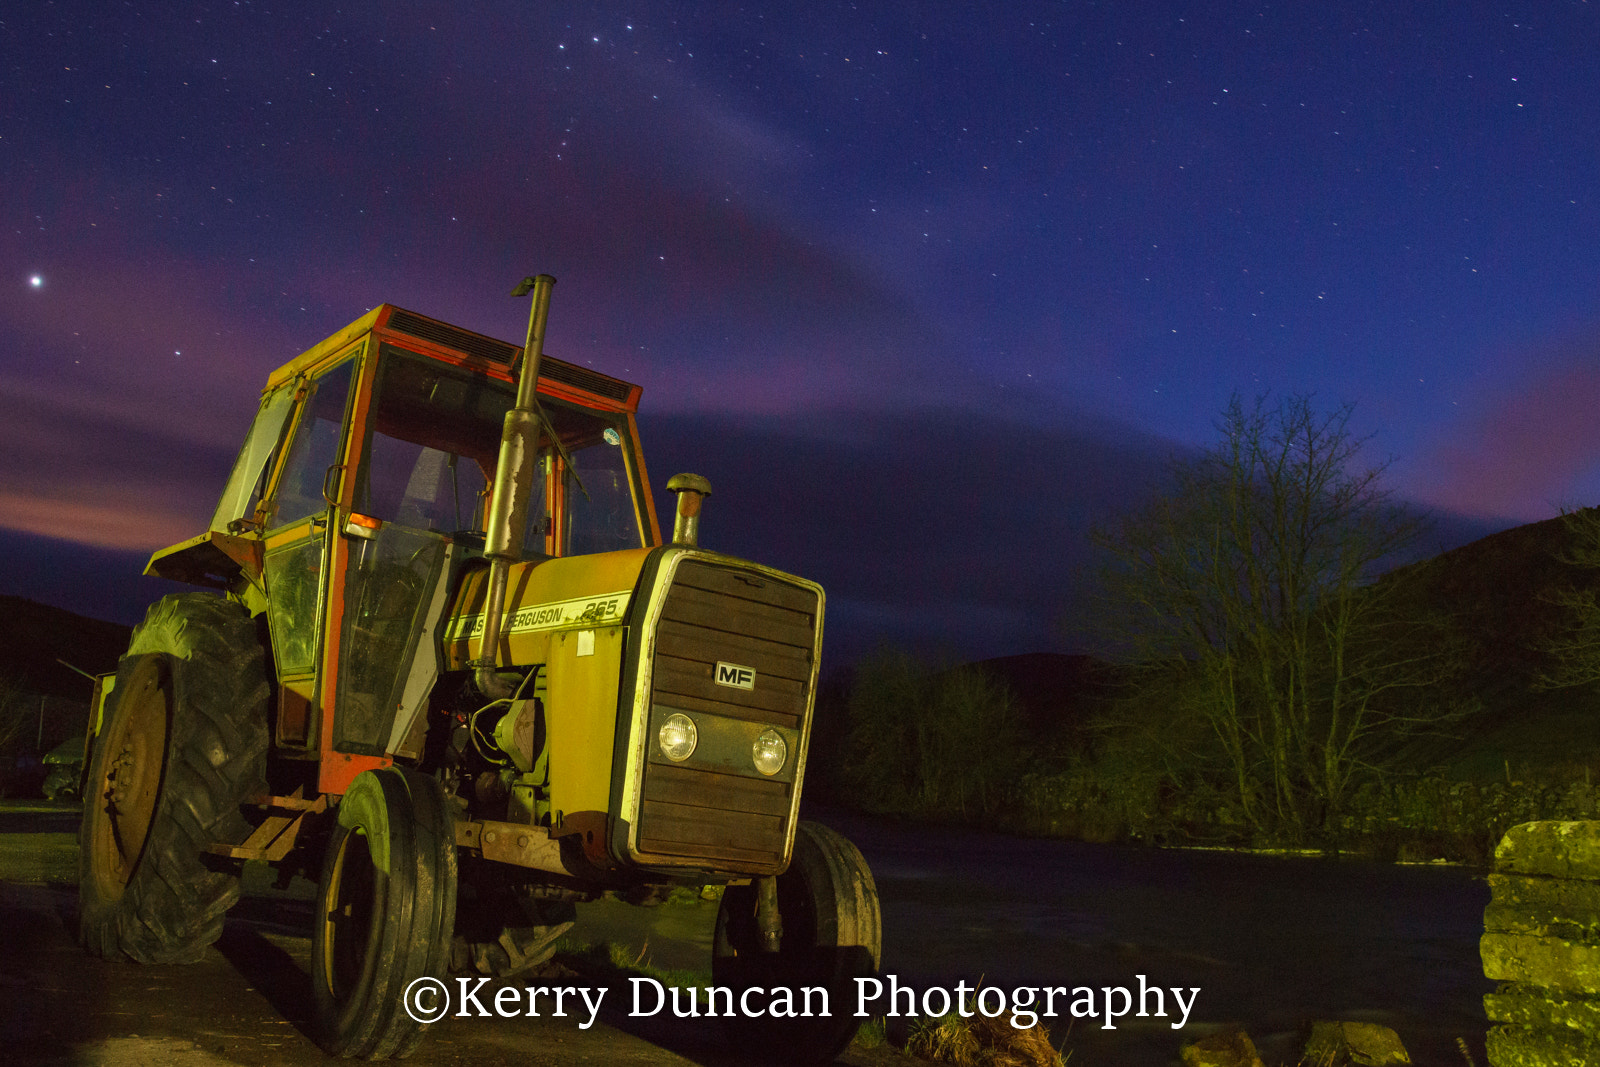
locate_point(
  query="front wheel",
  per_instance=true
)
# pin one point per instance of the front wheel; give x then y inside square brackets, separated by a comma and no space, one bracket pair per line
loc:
[385,912]
[832,935]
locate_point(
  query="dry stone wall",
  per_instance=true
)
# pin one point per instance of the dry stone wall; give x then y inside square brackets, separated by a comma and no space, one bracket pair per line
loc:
[1541,941]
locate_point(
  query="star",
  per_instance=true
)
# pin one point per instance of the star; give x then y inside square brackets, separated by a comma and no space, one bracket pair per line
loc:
[37,281]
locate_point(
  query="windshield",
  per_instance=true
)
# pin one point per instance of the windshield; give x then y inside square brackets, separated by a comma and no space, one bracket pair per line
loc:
[250,470]
[428,461]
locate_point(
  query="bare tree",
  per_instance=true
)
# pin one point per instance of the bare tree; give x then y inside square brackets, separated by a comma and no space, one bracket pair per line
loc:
[1250,596]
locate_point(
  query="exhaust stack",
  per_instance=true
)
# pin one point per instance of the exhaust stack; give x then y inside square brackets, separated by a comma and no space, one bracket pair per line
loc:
[513,485]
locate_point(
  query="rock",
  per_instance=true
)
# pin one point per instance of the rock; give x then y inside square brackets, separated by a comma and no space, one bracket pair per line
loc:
[1543,1009]
[1543,907]
[1552,849]
[1552,962]
[1334,1044]
[1230,1048]
[1518,1046]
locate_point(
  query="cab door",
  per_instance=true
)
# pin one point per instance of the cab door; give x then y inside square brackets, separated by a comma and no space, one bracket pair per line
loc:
[297,523]
[352,581]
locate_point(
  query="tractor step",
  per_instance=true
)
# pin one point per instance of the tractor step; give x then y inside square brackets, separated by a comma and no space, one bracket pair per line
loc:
[272,840]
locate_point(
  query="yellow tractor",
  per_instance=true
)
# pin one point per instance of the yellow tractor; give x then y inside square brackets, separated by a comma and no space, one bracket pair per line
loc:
[452,672]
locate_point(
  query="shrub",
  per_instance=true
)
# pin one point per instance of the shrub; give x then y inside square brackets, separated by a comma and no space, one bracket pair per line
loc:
[926,742]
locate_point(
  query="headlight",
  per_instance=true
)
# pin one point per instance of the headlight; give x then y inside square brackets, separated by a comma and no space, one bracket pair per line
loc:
[769,752]
[677,737]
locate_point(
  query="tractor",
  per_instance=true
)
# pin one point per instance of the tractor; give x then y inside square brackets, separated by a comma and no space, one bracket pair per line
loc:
[443,664]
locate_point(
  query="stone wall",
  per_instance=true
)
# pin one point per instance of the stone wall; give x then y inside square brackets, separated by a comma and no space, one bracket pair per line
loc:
[1434,818]
[1542,943]
[1415,819]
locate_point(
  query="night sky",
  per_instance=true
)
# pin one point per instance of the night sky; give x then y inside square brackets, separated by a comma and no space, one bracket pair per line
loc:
[924,289]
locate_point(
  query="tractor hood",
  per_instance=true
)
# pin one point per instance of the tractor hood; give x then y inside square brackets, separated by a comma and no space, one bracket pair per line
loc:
[543,597]
[637,645]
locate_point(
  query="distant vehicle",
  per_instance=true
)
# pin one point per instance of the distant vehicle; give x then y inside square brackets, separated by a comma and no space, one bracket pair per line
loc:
[64,769]
[453,649]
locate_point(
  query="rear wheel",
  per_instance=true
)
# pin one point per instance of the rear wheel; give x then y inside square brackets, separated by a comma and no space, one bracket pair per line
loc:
[832,935]
[385,912]
[181,751]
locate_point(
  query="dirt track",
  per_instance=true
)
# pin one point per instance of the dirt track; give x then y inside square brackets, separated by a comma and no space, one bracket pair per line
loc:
[1274,943]
[248,1002]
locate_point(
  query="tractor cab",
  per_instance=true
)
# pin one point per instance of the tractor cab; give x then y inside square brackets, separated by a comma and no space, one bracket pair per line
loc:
[363,490]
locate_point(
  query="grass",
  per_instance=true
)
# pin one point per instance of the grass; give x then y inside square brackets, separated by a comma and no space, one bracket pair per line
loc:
[693,894]
[980,1041]
[42,859]
[874,1033]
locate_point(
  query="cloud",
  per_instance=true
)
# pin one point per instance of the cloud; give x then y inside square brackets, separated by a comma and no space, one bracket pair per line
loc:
[679,216]
[942,529]
[122,520]
[1522,455]
[161,342]
[94,473]
[948,531]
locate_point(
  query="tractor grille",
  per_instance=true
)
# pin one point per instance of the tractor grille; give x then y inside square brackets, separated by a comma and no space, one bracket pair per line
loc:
[731,816]
[583,378]
[461,340]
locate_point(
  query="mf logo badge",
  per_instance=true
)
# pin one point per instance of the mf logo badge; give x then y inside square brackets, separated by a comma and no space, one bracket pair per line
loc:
[735,676]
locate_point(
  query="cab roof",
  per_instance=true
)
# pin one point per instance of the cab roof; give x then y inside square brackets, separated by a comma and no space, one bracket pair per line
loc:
[419,333]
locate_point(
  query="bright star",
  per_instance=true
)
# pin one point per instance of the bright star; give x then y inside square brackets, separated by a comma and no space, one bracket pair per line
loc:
[37,281]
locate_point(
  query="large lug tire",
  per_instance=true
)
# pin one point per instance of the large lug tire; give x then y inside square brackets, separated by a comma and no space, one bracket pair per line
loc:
[832,935]
[181,751]
[385,912]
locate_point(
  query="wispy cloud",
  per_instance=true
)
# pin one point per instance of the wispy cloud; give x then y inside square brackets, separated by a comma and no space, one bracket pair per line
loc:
[123,518]
[1523,453]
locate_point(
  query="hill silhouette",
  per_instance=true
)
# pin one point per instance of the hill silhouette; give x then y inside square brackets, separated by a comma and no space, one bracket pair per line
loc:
[35,638]
[1497,591]
[1500,594]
